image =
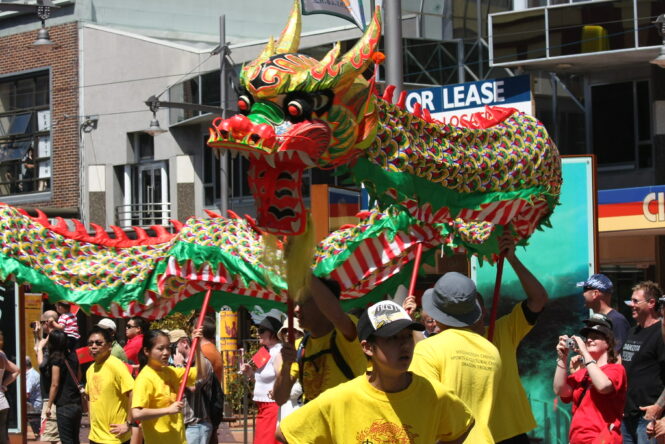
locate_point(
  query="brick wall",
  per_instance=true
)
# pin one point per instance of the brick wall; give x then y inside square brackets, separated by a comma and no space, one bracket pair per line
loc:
[17,56]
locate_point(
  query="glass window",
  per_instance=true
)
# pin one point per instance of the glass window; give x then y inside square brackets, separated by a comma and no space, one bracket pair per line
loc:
[519,36]
[25,140]
[622,105]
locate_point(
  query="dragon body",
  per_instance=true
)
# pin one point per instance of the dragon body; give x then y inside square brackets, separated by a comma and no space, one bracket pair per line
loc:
[436,185]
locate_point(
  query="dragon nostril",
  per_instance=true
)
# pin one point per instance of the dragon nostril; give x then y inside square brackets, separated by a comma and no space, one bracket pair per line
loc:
[255,138]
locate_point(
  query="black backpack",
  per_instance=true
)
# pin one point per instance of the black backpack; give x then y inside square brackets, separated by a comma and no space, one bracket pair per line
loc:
[214,401]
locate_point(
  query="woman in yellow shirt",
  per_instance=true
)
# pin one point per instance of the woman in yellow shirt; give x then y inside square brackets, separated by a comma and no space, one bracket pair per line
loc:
[156,389]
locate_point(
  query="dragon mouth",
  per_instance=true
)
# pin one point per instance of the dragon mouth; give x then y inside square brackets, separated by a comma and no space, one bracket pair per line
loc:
[301,143]
[278,158]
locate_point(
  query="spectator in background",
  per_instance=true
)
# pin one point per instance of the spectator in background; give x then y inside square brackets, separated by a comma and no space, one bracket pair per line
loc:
[135,328]
[643,356]
[34,395]
[430,325]
[210,352]
[597,293]
[49,426]
[180,347]
[59,370]
[116,349]
[263,373]
[68,323]
[8,374]
[597,389]
[294,402]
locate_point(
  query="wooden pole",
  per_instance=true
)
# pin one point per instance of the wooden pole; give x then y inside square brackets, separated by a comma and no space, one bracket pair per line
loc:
[416,267]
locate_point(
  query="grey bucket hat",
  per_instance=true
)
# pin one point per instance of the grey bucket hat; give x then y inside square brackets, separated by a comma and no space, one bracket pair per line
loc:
[452,301]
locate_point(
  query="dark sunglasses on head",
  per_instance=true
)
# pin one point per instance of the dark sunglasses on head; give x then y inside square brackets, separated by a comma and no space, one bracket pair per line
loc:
[98,343]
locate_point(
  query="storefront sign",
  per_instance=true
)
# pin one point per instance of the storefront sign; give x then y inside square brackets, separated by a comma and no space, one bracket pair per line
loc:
[455,104]
[631,208]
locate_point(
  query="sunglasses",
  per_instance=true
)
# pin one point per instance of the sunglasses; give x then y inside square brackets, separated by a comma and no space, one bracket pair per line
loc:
[130,326]
[98,343]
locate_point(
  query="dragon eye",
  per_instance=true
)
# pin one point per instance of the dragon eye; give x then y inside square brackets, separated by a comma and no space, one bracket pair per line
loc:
[298,108]
[244,103]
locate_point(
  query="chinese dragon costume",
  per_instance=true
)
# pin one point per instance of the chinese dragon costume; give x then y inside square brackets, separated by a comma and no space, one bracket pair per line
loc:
[441,186]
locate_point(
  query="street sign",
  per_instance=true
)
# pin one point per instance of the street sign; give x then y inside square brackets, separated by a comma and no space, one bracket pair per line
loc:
[454,104]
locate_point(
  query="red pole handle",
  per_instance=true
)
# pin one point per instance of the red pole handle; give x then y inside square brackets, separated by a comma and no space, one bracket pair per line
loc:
[416,267]
[195,344]
[495,298]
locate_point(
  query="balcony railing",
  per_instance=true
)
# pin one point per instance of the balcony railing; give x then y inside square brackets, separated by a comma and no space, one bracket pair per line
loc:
[573,29]
[143,215]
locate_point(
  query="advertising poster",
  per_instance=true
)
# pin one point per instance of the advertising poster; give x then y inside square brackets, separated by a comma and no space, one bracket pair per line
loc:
[559,257]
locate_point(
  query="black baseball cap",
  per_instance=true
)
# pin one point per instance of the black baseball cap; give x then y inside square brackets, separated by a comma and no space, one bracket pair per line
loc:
[385,319]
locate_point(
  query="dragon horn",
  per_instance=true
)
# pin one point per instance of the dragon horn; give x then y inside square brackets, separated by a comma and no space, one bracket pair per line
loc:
[358,58]
[267,52]
[289,39]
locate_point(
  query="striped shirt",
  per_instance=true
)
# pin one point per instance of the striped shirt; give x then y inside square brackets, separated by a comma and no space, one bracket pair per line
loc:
[71,325]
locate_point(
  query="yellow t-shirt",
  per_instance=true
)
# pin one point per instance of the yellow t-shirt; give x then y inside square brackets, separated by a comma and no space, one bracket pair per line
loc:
[512,414]
[108,386]
[468,365]
[356,412]
[155,389]
[323,373]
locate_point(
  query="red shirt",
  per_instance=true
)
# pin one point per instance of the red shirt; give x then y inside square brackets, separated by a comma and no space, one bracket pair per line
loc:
[133,347]
[593,412]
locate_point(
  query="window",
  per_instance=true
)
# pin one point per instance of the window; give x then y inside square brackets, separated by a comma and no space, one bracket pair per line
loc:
[25,140]
[621,124]
[145,186]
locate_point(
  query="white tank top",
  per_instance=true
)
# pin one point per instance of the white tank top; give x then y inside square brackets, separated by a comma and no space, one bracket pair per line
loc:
[264,378]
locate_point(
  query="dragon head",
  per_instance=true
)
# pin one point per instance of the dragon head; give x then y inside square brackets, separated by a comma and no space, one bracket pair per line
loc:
[297,112]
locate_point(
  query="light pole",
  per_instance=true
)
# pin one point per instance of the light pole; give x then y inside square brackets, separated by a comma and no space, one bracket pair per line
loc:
[43,11]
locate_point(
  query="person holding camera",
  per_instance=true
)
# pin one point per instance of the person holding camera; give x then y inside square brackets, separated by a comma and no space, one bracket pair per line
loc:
[597,389]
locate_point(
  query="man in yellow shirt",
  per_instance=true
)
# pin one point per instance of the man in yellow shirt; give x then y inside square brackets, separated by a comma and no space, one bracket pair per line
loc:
[461,359]
[385,405]
[328,354]
[109,387]
[512,417]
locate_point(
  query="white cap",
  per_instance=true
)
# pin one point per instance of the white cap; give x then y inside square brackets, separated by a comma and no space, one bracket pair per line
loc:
[107,323]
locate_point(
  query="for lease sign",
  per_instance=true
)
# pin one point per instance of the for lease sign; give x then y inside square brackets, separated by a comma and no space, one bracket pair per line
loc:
[455,104]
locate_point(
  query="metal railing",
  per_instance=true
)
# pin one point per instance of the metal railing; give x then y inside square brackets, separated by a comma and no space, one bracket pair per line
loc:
[143,215]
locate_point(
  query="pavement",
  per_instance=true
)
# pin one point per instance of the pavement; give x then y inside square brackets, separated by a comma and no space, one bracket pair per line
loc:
[228,432]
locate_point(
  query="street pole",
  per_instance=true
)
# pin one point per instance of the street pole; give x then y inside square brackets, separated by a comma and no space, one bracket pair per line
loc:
[393,40]
[223,79]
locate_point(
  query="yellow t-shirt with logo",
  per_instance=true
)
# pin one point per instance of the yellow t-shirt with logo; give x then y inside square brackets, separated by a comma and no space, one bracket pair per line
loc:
[466,364]
[155,389]
[357,412]
[512,414]
[323,373]
[108,386]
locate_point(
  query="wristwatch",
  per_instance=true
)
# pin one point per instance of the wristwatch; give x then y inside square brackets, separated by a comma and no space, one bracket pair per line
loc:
[586,363]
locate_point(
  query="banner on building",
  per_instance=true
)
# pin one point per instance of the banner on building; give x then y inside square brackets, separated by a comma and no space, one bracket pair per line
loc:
[351,10]
[639,208]
[454,104]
